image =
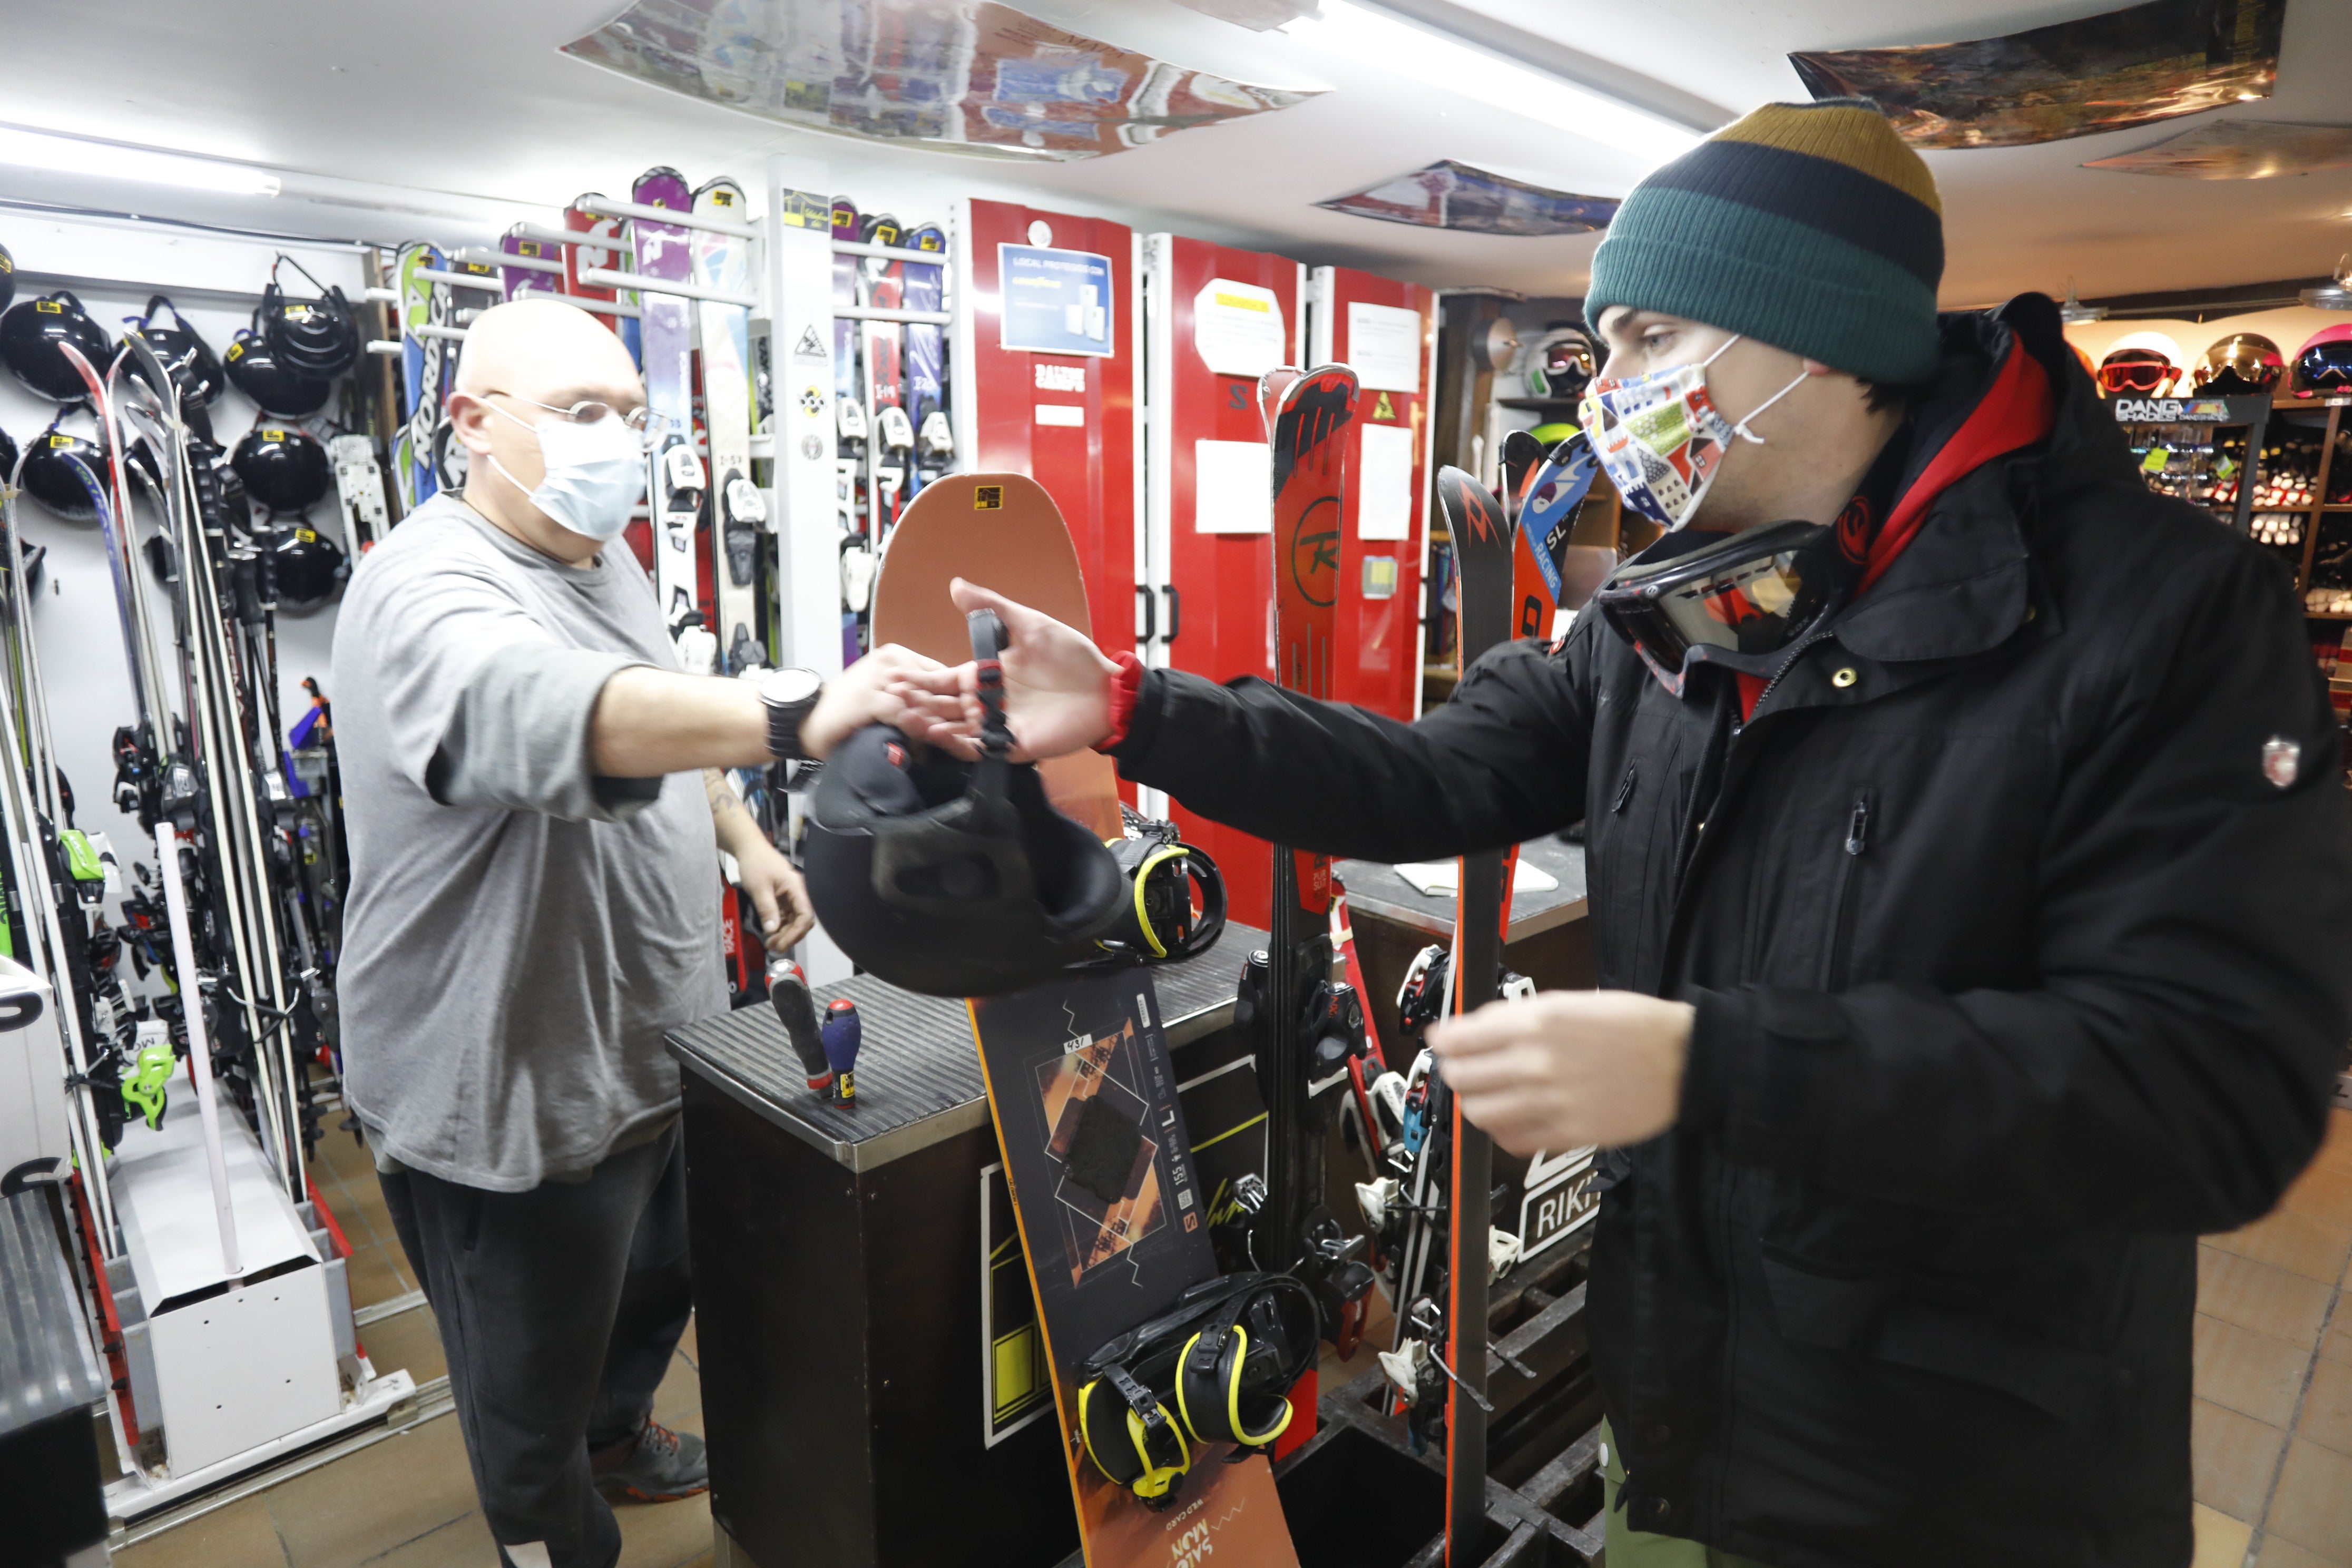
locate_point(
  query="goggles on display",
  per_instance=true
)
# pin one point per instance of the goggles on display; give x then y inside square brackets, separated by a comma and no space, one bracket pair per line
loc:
[2143,372]
[2324,367]
[1753,594]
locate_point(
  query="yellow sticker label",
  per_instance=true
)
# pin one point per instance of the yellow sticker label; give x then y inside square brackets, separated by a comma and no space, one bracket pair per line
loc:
[49,308]
[987,498]
[273,435]
[722,198]
[6,264]
[1384,409]
[237,350]
[305,536]
[1244,302]
[56,441]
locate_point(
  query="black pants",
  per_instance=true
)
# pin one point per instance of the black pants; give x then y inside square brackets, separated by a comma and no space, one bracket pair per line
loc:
[559,1308]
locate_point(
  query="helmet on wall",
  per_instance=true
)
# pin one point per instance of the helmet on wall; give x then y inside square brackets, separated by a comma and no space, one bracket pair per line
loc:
[2239,365]
[285,470]
[2142,365]
[1561,361]
[255,370]
[194,369]
[2323,366]
[65,473]
[31,335]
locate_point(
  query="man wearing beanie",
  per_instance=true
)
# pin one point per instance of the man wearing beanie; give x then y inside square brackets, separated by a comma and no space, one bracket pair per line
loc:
[1969,861]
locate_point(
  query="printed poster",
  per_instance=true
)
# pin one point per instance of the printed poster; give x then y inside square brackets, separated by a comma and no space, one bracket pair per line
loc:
[1384,347]
[2144,63]
[1054,301]
[1237,327]
[1448,194]
[959,75]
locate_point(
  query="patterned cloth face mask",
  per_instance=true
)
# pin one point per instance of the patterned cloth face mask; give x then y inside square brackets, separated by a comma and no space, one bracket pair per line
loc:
[1660,438]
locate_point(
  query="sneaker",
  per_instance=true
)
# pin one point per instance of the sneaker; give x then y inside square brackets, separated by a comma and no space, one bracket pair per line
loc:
[655,1465]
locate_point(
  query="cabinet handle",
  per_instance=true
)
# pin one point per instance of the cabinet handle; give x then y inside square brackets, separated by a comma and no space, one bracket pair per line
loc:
[1150,616]
[1175,615]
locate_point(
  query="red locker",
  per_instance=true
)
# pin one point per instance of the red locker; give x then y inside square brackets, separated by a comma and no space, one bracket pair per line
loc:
[1211,562]
[1065,419]
[1386,331]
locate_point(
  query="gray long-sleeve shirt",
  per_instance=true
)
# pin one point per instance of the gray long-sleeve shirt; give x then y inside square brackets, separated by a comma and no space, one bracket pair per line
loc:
[519,932]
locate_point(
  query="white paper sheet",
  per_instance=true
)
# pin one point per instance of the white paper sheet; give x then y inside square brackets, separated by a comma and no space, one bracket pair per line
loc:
[1233,486]
[1069,413]
[1384,483]
[1384,347]
[1435,879]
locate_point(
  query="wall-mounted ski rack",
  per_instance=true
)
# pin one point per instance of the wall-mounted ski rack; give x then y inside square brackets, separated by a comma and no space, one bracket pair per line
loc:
[877,313]
[888,252]
[489,258]
[607,278]
[665,214]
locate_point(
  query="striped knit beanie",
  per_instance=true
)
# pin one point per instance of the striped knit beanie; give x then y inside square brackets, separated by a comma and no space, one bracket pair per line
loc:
[1811,227]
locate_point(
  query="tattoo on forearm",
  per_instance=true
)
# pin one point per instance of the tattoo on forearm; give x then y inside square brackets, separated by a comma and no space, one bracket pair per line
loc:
[727,813]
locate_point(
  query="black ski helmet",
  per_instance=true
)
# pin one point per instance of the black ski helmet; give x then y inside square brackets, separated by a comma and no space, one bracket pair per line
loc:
[315,337]
[285,470]
[194,369]
[1561,362]
[51,477]
[309,567]
[8,457]
[7,278]
[30,333]
[255,369]
[949,877]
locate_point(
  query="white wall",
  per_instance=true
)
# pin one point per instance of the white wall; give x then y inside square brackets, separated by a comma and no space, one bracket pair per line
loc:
[112,268]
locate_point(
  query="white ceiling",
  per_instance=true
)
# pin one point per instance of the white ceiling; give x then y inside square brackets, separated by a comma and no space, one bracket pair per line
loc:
[450,118]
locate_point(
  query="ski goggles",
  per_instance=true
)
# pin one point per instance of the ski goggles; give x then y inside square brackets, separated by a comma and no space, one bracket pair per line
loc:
[2323,367]
[2141,371]
[1752,593]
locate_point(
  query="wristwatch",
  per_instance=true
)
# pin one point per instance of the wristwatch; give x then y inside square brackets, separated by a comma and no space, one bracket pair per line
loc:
[788,695]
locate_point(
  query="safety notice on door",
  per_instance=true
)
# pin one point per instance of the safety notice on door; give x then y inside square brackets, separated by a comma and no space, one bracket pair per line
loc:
[1237,327]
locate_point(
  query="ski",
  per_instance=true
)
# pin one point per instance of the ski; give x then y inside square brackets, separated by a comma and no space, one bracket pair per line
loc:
[1306,1029]
[420,363]
[738,514]
[537,269]
[927,415]
[675,484]
[1483,541]
[1549,500]
[888,437]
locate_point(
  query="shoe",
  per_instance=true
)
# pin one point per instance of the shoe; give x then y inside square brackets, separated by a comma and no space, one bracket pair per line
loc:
[655,1465]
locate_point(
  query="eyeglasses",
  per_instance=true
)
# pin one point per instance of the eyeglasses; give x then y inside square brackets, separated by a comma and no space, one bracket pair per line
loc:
[588,411]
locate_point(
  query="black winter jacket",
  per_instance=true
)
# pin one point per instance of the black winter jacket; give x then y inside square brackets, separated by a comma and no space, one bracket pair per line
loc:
[2014,972]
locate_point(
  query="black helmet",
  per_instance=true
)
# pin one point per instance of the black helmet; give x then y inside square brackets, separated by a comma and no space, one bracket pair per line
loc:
[1560,363]
[309,567]
[949,877]
[7,278]
[255,369]
[30,333]
[285,470]
[8,457]
[195,370]
[53,477]
[314,337]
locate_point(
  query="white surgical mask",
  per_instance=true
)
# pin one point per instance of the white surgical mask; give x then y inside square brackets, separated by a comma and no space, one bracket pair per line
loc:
[594,473]
[1661,438]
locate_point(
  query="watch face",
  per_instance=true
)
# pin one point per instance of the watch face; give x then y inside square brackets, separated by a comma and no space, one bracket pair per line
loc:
[790,686]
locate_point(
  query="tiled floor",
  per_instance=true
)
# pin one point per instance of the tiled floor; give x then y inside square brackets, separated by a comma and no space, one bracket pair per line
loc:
[2273,1445]
[2273,1426]
[407,1501]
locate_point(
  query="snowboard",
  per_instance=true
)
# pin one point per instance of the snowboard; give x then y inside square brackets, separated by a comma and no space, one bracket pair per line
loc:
[738,512]
[1114,1225]
[674,485]
[1113,1218]
[1483,542]
[1004,532]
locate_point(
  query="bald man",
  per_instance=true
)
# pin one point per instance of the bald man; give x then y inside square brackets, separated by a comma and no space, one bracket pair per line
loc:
[534,902]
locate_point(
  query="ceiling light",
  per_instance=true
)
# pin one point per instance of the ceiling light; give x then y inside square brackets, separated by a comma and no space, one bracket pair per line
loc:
[107,160]
[1375,38]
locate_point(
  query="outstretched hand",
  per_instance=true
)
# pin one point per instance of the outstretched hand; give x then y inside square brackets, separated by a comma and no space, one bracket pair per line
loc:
[1057,684]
